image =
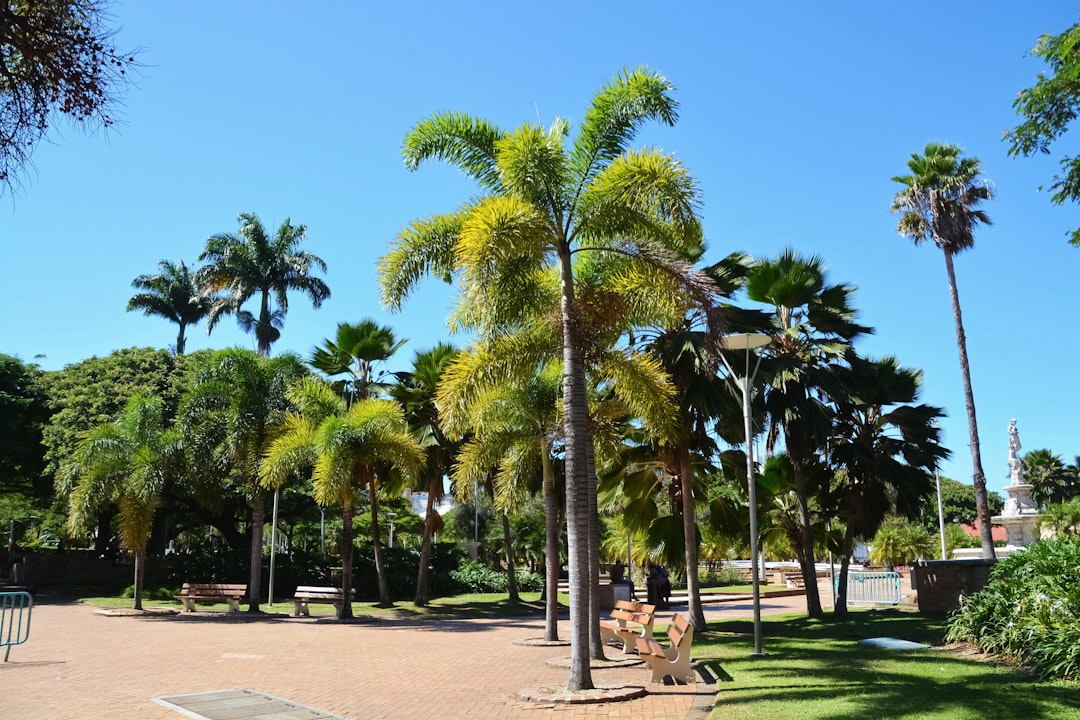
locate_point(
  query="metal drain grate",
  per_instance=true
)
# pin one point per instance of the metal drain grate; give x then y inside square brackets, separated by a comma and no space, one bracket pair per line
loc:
[240,705]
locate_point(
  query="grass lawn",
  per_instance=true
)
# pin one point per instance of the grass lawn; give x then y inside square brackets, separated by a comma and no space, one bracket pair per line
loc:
[817,670]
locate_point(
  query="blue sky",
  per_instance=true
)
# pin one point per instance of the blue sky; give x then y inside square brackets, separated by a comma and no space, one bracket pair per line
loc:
[794,117]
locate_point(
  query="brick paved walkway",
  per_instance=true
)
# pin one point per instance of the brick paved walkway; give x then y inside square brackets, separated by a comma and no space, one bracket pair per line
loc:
[81,664]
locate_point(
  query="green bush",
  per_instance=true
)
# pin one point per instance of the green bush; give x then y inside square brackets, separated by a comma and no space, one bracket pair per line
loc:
[726,576]
[1029,611]
[477,577]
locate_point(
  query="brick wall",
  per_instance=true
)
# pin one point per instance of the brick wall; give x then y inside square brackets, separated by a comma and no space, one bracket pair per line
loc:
[939,583]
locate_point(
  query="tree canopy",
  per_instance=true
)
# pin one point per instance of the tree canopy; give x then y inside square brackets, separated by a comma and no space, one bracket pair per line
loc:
[58,58]
[1048,108]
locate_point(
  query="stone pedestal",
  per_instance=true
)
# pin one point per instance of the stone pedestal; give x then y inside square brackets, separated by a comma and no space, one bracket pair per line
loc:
[1019,517]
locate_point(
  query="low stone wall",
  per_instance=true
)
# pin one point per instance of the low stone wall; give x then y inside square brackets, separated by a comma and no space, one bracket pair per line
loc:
[74,567]
[939,583]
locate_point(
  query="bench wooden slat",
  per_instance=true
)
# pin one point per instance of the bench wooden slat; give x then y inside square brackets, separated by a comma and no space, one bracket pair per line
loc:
[231,593]
[674,660]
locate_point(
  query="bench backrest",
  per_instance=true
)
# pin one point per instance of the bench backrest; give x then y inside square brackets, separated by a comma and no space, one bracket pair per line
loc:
[214,589]
[635,607]
[315,590]
[680,630]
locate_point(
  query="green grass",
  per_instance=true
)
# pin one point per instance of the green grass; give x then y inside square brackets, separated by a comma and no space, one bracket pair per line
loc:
[817,670]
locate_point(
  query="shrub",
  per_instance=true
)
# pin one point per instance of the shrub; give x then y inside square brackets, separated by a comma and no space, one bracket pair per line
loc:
[473,576]
[1029,611]
[726,576]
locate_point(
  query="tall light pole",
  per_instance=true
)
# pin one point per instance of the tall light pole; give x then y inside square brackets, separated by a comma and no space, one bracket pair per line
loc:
[747,342]
[940,516]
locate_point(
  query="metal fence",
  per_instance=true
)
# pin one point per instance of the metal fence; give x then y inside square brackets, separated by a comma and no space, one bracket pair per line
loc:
[15,608]
[881,588]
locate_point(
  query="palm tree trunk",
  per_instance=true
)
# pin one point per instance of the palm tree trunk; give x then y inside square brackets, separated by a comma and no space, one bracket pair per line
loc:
[575,403]
[551,547]
[376,545]
[596,643]
[180,342]
[508,551]
[978,478]
[840,609]
[261,333]
[258,519]
[806,536]
[424,573]
[140,570]
[693,588]
[347,512]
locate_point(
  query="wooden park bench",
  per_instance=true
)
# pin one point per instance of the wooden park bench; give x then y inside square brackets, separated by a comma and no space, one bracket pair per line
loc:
[673,660]
[792,580]
[307,594]
[630,621]
[192,593]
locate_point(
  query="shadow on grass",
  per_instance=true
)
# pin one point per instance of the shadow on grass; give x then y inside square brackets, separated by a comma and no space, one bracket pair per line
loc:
[817,670]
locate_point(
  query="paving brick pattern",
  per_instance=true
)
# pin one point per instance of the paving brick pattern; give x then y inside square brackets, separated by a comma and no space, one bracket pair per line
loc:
[81,664]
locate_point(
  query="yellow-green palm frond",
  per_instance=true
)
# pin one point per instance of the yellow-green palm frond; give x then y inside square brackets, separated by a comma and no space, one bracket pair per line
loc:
[521,295]
[518,476]
[640,383]
[464,141]
[532,164]
[487,364]
[315,399]
[293,451]
[136,521]
[616,113]
[477,458]
[424,248]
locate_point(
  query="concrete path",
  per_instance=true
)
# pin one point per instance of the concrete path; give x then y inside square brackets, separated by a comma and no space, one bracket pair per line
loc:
[82,664]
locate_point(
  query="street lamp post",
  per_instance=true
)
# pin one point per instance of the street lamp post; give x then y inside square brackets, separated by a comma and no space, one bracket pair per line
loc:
[940,516]
[747,342]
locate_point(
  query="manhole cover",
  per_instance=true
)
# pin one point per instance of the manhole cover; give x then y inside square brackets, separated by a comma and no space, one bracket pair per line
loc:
[240,705]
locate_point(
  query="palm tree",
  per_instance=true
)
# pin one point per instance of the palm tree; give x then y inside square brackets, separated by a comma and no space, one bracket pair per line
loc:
[542,202]
[126,463]
[513,428]
[228,419]
[355,351]
[344,446]
[813,324]
[252,263]
[172,294]
[415,391]
[1054,481]
[939,202]
[886,447]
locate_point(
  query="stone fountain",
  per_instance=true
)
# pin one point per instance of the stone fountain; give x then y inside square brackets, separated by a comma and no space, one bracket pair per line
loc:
[1021,513]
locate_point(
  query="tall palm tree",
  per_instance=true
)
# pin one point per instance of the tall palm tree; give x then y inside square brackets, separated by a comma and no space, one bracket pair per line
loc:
[172,294]
[512,428]
[1054,481]
[813,324]
[251,263]
[542,202]
[356,350]
[886,447]
[940,202]
[228,419]
[344,446]
[415,391]
[126,463]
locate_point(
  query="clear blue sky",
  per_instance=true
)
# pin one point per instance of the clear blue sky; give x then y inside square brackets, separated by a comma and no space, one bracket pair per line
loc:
[794,117]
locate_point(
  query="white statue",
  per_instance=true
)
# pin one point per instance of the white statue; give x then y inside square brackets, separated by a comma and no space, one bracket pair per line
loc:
[1016,465]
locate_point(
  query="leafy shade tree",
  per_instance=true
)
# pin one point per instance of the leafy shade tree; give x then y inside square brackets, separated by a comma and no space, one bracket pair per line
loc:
[344,446]
[416,392]
[356,350]
[1054,481]
[1048,108]
[958,504]
[59,59]
[252,263]
[541,202]
[886,447]
[126,463]
[812,327]
[172,294]
[24,410]
[228,420]
[939,202]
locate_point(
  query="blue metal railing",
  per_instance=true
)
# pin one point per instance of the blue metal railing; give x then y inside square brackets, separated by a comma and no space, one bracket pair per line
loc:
[15,610]
[871,587]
